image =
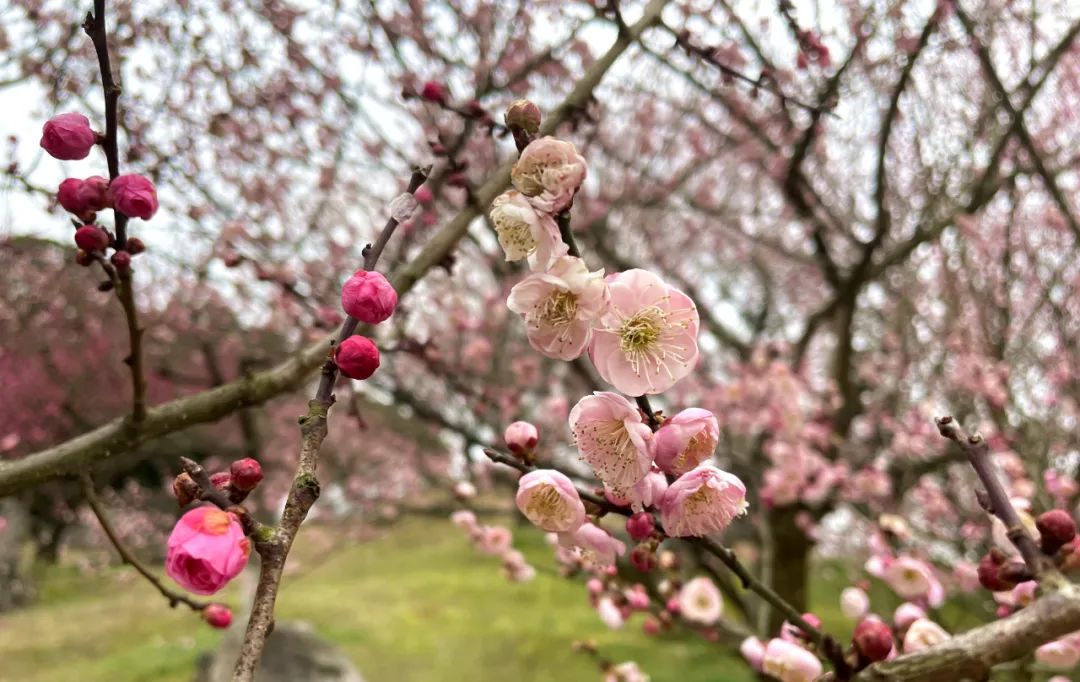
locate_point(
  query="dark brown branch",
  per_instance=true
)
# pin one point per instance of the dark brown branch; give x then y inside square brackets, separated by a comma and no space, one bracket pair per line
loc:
[127,557]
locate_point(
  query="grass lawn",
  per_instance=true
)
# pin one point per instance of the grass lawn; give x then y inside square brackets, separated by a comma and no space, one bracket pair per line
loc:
[416,604]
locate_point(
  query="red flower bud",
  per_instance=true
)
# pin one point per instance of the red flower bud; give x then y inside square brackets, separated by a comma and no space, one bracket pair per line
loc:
[873,639]
[640,525]
[643,558]
[69,195]
[121,260]
[185,489]
[217,615]
[990,573]
[246,474]
[357,357]
[222,480]
[94,193]
[135,246]
[134,196]
[91,238]
[68,137]
[1056,529]
[84,259]
[434,92]
[368,297]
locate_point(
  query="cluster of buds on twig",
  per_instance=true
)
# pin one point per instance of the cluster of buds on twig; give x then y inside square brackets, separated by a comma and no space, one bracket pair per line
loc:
[243,476]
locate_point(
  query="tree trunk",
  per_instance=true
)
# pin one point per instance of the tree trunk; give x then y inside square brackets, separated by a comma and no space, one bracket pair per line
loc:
[16,585]
[790,563]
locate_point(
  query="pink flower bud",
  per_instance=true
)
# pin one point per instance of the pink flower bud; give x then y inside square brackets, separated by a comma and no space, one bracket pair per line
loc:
[70,196]
[357,357]
[521,437]
[990,575]
[206,550]
[121,260]
[221,480]
[424,195]
[594,586]
[134,196]
[246,474]
[95,194]
[854,602]
[434,92]
[789,662]
[91,238]
[873,639]
[640,526]
[84,259]
[753,650]
[650,626]
[525,115]
[643,558]
[68,137]
[368,297]
[217,615]
[1056,529]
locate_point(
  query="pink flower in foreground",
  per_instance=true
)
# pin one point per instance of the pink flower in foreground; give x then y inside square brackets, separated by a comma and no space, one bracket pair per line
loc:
[1060,654]
[789,662]
[368,297]
[521,437]
[646,340]
[68,137]
[549,171]
[686,440]
[612,439]
[206,550]
[357,357]
[923,634]
[596,546]
[550,501]
[559,306]
[705,500]
[753,650]
[134,196]
[524,232]
[700,601]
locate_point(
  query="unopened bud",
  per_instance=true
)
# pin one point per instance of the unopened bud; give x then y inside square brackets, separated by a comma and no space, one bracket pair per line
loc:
[640,525]
[217,615]
[185,489]
[524,115]
[1056,529]
[245,474]
[873,639]
[121,260]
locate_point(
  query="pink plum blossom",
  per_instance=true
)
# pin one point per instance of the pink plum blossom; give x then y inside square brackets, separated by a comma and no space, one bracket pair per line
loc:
[609,613]
[550,501]
[627,671]
[923,634]
[206,550]
[494,540]
[521,437]
[612,439]
[645,493]
[700,601]
[368,297]
[789,662]
[464,519]
[702,501]
[854,603]
[646,340]
[1060,654]
[594,544]
[559,306]
[134,196]
[753,650]
[906,614]
[68,137]
[686,440]
[913,579]
[524,232]
[549,172]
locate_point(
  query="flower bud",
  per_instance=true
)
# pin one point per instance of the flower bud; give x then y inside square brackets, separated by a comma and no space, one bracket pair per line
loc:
[206,550]
[424,195]
[134,196]
[91,238]
[68,137]
[121,260]
[185,489]
[70,196]
[245,474]
[221,480]
[84,259]
[217,615]
[650,626]
[523,114]
[873,639]
[1056,529]
[521,437]
[434,92]
[357,357]
[95,194]
[135,246]
[990,572]
[640,525]
[368,297]
[643,557]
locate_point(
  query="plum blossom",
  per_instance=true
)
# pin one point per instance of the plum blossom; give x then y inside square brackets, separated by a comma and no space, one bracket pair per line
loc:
[549,172]
[627,671]
[923,634]
[206,550]
[464,519]
[524,232]
[686,440]
[906,614]
[705,500]
[521,437]
[134,196]
[559,306]
[753,650]
[1060,654]
[854,602]
[609,613]
[700,601]
[789,662]
[594,544]
[646,340]
[550,501]
[913,579]
[645,493]
[68,137]
[368,296]
[494,540]
[612,439]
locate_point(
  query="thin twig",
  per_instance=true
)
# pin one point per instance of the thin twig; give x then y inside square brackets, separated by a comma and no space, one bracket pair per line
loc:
[127,557]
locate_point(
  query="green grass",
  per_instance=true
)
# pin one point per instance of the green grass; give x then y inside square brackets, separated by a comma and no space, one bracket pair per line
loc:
[416,604]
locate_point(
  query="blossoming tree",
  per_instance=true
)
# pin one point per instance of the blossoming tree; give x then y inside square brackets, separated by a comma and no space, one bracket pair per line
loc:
[732,270]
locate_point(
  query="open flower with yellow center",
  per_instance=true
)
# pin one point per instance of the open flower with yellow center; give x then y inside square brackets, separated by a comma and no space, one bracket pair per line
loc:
[549,172]
[612,439]
[550,501]
[559,306]
[686,440]
[700,601]
[703,501]
[525,232]
[646,340]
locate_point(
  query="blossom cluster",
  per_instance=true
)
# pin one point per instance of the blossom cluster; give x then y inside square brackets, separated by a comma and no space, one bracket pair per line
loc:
[495,541]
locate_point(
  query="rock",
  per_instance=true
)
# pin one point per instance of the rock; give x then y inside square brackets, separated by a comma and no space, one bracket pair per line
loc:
[294,653]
